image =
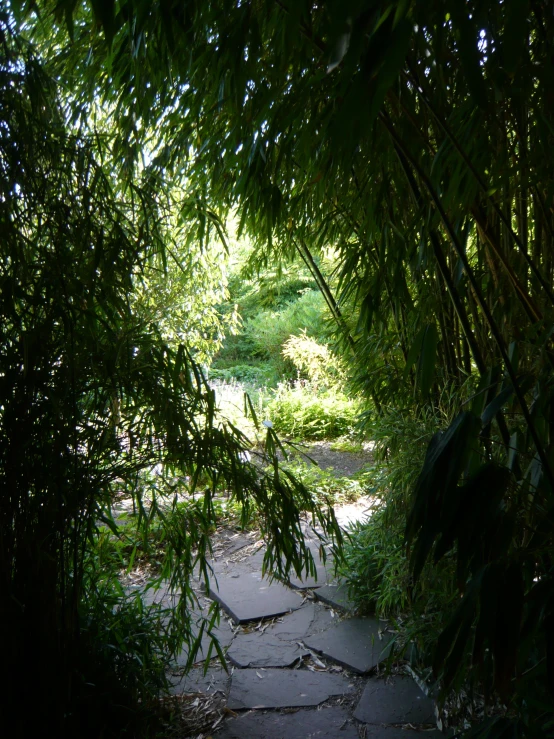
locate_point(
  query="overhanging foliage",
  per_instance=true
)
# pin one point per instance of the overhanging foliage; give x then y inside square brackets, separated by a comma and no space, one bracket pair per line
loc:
[414,137]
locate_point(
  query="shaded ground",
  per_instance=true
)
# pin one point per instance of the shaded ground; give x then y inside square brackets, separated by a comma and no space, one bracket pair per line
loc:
[343,464]
[299,662]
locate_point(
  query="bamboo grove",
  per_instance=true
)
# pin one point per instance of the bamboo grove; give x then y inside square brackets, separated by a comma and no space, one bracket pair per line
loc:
[92,398]
[415,139]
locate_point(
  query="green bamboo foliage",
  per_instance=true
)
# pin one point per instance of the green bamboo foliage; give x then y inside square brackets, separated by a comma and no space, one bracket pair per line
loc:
[415,139]
[91,398]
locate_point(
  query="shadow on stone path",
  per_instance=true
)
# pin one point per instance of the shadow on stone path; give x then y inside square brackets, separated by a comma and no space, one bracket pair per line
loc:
[300,663]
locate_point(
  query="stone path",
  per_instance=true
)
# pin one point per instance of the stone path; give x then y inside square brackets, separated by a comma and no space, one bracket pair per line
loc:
[300,662]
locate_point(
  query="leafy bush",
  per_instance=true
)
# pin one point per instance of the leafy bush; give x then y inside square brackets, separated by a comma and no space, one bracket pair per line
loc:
[375,566]
[256,375]
[376,563]
[302,413]
[314,361]
[325,486]
[268,330]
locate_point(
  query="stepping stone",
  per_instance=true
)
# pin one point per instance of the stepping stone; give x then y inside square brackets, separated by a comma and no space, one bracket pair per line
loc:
[263,650]
[353,512]
[392,732]
[325,618]
[284,688]
[234,543]
[398,700]
[311,618]
[224,634]
[353,643]
[250,563]
[295,625]
[215,680]
[323,570]
[309,581]
[336,596]
[248,597]
[329,722]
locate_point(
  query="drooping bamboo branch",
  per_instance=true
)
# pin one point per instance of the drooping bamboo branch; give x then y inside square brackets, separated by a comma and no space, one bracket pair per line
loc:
[482,184]
[477,291]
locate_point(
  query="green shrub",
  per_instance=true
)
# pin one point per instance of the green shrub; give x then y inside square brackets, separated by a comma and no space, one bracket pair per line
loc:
[314,362]
[325,486]
[348,444]
[256,375]
[267,331]
[302,413]
[376,564]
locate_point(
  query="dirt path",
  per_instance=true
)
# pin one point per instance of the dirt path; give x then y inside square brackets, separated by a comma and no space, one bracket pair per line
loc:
[342,464]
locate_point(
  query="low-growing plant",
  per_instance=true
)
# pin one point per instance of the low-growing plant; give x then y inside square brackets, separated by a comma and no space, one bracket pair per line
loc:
[376,562]
[325,485]
[301,412]
[314,361]
[375,566]
[349,444]
[255,375]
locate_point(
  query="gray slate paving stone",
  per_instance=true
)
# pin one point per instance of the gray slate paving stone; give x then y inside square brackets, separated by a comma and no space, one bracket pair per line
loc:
[336,596]
[224,635]
[353,643]
[328,723]
[215,680]
[248,597]
[395,701]
[263,650]
[393,732]
[324,619]
[245,562]
[284,688]
[295,625]
[324,570]
[310,618]
[236,545]
[309,581]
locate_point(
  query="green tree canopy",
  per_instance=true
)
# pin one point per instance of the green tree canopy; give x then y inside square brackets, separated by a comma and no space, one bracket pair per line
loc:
[414,138]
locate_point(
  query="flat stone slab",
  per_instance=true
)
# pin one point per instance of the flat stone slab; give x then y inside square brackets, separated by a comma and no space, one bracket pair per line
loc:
[215,680]
[329,722]
[393,732]
[264,650]
[310,618]
[224,635]
[295,625]
[336,596]
[245,559]
[397,700]
[309,582]
[284,688]
[230,545]
[353,643]
[248,597]
[324,571]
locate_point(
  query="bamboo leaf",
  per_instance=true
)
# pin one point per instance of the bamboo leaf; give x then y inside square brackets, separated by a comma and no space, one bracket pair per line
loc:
[471,61]
[427,358]
[495,405]
[414,352]
[516,34]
